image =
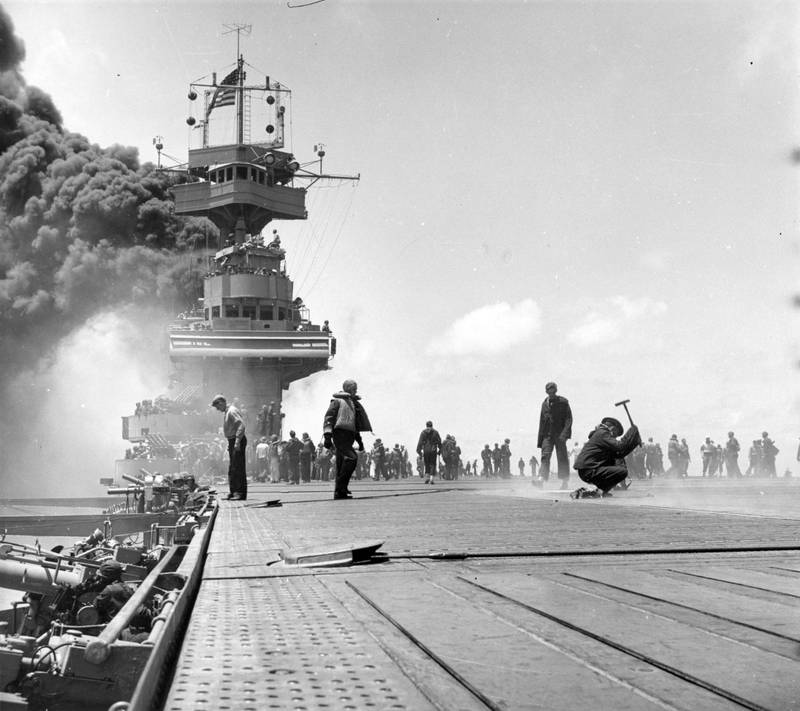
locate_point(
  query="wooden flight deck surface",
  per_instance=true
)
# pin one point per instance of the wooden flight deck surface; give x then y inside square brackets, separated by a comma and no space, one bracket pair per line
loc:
[499,595]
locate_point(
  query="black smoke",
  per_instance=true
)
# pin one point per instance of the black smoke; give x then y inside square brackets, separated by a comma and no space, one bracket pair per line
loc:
[83,229]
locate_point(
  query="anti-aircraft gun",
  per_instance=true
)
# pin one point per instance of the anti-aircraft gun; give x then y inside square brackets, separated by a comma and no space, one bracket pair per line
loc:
[155,493]
[92,614]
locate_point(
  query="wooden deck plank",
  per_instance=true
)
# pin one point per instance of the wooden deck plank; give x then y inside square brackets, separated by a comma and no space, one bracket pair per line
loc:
[517,667]
[779,618]
[748,675]
[774,582]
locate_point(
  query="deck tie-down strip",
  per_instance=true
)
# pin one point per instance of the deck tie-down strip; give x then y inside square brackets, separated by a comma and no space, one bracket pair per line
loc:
[697,681]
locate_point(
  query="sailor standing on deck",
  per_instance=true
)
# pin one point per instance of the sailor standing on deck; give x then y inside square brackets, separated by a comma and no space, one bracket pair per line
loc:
[429,445]
[233,429]
[344,422]
[555,428]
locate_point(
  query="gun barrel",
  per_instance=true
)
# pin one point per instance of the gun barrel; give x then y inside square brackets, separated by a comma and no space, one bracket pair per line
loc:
[32,577]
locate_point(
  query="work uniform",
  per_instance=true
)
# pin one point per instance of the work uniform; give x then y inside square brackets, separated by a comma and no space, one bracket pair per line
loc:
[600,460]
[428,446]
[345,420]
[555,428]
[307,455]
[292,453]
[233,428]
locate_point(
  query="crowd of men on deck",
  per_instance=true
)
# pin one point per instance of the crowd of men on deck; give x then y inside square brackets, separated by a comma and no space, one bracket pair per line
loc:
[274,457]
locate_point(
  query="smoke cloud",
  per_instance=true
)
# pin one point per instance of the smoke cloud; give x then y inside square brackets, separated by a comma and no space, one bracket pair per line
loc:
[84,231]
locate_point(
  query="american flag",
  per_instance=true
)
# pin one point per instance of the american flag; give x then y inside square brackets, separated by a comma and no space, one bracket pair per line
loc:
[225,95]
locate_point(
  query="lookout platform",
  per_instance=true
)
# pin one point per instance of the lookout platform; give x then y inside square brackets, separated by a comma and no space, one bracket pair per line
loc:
[499,595]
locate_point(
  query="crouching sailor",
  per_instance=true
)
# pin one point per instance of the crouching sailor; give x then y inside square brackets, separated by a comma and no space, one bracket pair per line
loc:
[600,462]
[344,422]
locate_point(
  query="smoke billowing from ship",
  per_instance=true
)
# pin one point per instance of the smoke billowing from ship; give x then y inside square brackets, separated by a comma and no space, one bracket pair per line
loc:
[84,231]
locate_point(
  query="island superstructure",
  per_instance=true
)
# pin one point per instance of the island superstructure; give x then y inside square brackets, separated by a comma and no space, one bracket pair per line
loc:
[250,337]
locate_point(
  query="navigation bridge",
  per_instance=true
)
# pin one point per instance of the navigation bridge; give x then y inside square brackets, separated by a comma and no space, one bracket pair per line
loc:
[251,336]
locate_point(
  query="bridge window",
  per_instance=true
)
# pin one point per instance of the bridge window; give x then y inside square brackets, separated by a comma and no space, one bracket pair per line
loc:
[241,172]
[231,310]
[228,173]
[215,312]
[205,314]
[249,311]
[281,314]
[266,312]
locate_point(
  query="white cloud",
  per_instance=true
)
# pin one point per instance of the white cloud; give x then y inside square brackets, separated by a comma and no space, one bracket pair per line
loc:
[603,327]
[595,329]
[489,329]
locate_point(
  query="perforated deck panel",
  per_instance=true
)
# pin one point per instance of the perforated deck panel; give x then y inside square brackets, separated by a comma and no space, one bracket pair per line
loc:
[558,605]
[282,643]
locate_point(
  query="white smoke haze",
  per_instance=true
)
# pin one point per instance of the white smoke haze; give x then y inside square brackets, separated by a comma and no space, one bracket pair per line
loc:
[72,403]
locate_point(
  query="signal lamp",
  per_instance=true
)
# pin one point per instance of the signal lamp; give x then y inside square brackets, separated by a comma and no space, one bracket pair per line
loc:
[269,159]
[192,95]
[270,128]
[270,100]
[191,121]
[294,166]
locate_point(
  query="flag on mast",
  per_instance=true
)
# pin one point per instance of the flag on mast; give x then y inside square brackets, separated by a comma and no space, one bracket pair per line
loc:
[225,95]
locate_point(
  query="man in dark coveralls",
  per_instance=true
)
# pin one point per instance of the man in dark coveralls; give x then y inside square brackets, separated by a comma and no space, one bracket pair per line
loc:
[344,422]
[428,447]
[601,460]
[555,428]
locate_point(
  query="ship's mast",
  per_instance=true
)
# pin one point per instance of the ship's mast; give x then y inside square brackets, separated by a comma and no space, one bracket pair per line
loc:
[239,29]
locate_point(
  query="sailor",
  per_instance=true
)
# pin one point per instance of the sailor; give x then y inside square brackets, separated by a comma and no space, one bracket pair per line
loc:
[555,428]
[754,459]
[597,463]
[732,456]
[534,463]
[521,465]
[708,450]
[451,454]
[234,430]
[685,458]
[262,453]
[497,460]
[486,460]
[308,454]
[343,424]
[505,459]
[429,445]
[275,244]
[292,452]
[768,453]
[379,457]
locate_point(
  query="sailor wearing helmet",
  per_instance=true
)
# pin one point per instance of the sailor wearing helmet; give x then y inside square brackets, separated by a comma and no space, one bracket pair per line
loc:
[600,462]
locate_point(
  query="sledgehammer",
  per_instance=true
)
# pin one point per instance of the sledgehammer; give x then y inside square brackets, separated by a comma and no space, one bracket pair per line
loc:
[624,404]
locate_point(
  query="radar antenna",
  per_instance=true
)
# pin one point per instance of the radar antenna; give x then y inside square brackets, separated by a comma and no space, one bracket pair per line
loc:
[238,29]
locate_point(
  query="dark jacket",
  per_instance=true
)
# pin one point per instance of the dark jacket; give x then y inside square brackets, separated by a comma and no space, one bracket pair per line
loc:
[307,449]
[292,448]
[429,441]
[603,449]
[359,422]
[555,419]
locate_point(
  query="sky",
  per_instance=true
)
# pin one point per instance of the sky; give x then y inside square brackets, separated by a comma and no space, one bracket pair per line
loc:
[602,194]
